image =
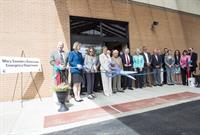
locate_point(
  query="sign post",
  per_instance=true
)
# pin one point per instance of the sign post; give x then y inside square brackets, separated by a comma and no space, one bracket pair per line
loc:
[20,65]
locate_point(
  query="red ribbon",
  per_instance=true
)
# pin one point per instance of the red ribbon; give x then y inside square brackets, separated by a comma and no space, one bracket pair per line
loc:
[58,75]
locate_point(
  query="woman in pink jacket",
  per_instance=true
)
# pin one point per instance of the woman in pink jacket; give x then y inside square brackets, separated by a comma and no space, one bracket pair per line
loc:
[185,64]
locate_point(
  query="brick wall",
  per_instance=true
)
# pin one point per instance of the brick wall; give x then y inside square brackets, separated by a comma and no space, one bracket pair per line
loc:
[35,27]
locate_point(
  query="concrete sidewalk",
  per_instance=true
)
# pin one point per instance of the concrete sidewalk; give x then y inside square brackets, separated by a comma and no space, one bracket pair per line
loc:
[30,119]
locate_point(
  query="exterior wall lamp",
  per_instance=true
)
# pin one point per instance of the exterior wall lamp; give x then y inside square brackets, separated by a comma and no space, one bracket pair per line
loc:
[154,24]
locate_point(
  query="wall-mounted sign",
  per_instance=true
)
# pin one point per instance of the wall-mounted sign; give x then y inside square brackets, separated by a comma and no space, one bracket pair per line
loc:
[19,65]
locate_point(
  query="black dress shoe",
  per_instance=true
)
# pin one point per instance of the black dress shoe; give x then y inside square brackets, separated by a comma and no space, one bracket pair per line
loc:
[124,88]
[130,88]
[120,90]
[90,97]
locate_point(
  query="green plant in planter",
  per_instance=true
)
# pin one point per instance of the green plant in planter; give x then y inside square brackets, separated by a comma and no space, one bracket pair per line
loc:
[61,88]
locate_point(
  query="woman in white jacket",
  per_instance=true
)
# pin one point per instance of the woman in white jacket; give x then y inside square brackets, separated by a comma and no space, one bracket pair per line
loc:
[106,80]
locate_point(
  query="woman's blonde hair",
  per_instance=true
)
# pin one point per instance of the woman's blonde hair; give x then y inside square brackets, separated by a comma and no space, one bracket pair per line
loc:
[137,51]
[76,44]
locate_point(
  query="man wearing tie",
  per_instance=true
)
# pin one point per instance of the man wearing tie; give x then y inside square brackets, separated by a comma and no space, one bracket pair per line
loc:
[59,58]
[127,62]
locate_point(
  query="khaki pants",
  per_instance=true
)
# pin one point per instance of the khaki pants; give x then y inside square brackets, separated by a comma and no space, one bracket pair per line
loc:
[116,83]
[148,79]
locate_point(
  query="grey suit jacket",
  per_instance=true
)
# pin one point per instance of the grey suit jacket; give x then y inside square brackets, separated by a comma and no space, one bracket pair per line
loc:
[56,56]
[169,60]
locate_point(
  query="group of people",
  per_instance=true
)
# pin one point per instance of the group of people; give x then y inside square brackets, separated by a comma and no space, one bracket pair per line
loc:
[153,69]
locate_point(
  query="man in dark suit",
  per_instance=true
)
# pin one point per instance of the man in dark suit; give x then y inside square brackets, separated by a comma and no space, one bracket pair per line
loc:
[127,62]
[194,58]
[163,66]
[147,66]
[156,64]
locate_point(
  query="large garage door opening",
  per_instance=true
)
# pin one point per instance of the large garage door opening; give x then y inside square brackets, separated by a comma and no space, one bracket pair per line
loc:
[99,32]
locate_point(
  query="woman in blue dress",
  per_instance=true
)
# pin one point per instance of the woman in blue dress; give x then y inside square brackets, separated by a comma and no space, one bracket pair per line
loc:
[76,62]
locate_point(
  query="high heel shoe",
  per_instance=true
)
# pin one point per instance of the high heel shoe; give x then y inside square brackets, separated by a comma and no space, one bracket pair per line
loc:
[77,100]
[80,100]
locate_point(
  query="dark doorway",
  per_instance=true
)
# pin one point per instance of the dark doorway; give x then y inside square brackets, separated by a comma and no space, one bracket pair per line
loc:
[99,32]
[115,46]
